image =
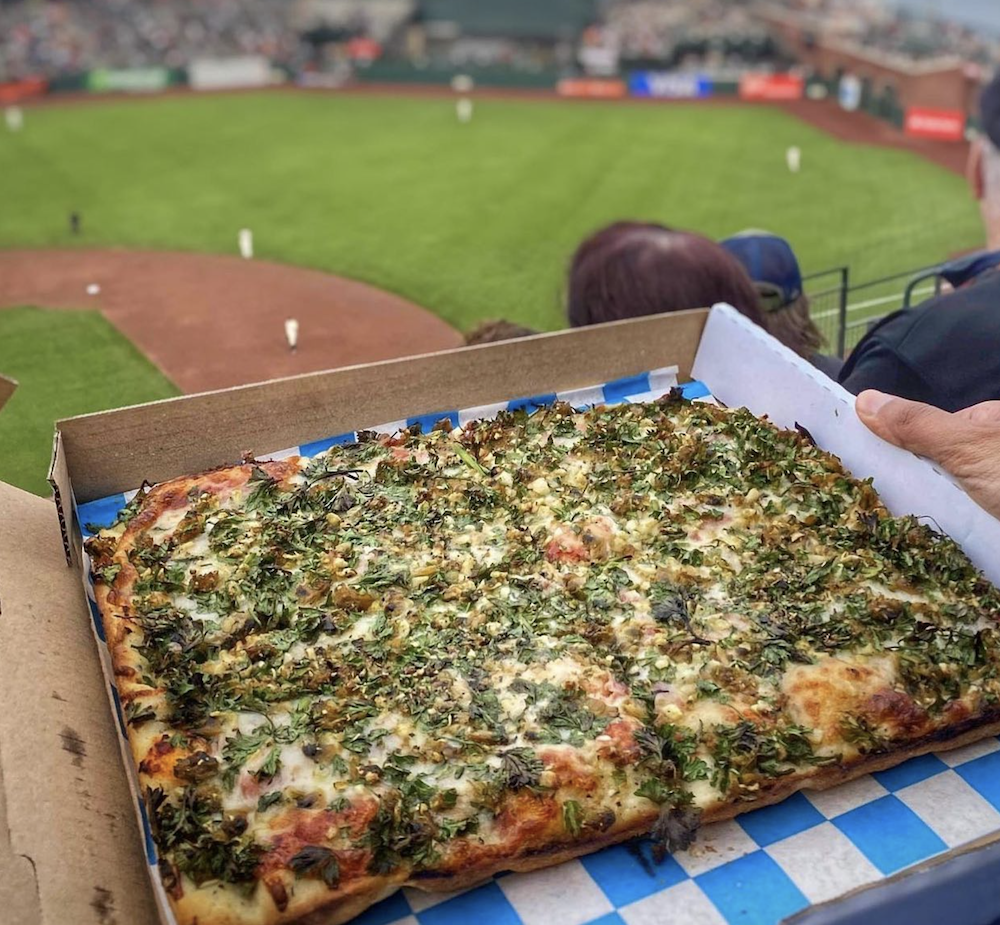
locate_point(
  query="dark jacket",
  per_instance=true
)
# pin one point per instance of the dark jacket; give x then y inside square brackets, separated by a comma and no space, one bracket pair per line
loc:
[945,352]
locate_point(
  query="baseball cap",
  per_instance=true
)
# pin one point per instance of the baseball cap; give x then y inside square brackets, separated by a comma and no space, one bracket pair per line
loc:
[771,264]
[989,110]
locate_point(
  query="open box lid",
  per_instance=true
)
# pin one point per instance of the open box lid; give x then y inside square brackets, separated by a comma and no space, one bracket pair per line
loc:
[97,455]
[70,849]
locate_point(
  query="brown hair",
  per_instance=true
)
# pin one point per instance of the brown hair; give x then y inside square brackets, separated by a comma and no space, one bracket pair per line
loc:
[790,323]
[630,269]
[487,332]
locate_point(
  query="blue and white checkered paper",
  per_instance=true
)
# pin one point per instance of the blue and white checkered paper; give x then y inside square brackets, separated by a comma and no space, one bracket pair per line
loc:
[754,870]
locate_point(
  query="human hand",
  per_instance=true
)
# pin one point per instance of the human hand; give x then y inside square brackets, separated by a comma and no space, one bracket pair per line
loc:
[966,444]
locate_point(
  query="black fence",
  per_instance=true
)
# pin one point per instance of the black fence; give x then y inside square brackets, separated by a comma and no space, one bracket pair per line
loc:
[828,293]
[844,311]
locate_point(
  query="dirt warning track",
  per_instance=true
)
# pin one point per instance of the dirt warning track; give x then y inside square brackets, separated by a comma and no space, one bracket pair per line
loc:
[210,322]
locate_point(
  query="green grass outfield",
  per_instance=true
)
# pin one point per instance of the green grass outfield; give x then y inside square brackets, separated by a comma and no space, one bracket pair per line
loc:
[41,349]
[470,221]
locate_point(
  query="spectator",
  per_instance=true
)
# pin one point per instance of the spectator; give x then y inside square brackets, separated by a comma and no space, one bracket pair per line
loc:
[489,332]
[784,306]
[945,352]
[630,269]
[984,164]
[966,443]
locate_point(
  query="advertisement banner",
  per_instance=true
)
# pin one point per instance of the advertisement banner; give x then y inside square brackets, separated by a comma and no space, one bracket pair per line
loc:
[229,73]
[771,87]
[128,80]
[591,88]
[15,91]
[939,124]
[363,49]
[669,85]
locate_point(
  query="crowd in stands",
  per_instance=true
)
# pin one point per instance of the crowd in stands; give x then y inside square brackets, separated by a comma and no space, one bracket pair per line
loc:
[60,36]
[881,28]
[716,34]
[703,33]
[72,35]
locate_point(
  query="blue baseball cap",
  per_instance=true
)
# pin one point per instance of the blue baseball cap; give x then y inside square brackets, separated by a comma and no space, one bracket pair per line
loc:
[770,261]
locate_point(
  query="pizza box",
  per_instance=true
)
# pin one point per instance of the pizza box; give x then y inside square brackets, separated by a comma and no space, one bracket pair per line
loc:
[70,844]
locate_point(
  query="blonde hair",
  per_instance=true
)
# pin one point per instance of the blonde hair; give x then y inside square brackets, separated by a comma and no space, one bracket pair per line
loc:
[790,323]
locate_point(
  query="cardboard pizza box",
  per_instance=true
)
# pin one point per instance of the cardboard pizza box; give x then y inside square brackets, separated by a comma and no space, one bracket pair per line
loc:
[70,850]
[70,845]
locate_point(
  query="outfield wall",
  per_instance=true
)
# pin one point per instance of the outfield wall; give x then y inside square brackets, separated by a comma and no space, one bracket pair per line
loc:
[933,105]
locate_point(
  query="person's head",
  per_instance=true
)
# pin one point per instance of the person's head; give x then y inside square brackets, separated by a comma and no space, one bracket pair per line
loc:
[984,163]
[630,269]
[489,332]
[784,307]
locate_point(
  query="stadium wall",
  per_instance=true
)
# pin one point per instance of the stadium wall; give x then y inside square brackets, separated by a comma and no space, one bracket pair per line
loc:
[922,104]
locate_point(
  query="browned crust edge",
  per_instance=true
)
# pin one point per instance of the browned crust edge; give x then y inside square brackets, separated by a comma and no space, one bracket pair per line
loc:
[321,906]
[785,787]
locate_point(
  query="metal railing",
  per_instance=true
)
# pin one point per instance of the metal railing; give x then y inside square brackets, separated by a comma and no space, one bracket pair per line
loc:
[844,312]
[828,304]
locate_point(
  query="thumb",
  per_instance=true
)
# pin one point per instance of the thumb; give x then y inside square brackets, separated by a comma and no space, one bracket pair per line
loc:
[921,429]
[987,413]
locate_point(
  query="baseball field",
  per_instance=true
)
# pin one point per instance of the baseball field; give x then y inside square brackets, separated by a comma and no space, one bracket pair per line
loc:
[468,221]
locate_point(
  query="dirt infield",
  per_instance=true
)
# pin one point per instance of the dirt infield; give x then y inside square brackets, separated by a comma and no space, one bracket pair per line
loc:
[211,322]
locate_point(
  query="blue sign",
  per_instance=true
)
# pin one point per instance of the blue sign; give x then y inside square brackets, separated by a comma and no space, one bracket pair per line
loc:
[673,85]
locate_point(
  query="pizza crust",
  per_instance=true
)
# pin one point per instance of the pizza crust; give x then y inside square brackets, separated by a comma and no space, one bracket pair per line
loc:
[309,904]
[335,910]
[824,779]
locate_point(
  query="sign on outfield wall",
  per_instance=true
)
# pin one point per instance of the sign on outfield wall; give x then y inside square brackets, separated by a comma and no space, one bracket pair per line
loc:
[772,87]
[669,85]
[592,88]
[14,91]
[229,73]
[128,80]
[940,124]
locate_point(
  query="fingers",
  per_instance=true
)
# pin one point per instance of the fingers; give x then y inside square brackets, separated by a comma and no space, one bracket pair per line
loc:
[920,428]
[966,444]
